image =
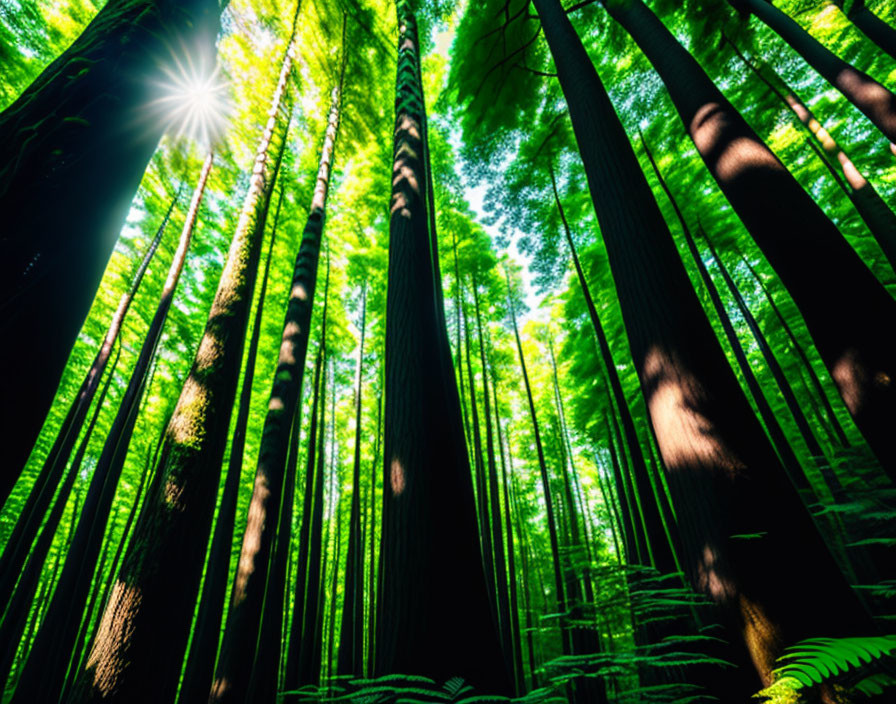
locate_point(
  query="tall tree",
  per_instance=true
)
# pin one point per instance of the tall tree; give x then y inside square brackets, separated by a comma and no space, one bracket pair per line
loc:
[725,478]
[351,640]
[53,469]
[74,148]
[433,616]
[154,594]
[250,586]
[200,666]
[844,305]
[58,633]
[872,26]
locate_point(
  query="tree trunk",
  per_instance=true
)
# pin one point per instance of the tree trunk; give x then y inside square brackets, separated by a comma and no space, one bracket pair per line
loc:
[351,642]
[801,353]
[658,551]
[494,508]
[773,427]
[559,586]
[850,315]
[138,651]
[876,214]
[250,584]
[433,617]
[74,147]
[200,667]
[875,101]
[872,26]
[297,643]
[374,562]
[43,676]
[739,518]
[19,603]
[53,469]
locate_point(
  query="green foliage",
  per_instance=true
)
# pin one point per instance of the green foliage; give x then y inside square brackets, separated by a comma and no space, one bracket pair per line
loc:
[816,661]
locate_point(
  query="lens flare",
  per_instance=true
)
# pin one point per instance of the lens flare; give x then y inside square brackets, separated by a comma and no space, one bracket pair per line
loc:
[194,102]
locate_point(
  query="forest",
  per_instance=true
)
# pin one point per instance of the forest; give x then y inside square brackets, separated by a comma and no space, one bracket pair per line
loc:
[415,351]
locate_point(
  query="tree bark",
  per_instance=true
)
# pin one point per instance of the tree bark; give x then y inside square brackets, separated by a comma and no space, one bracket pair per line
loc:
[433,613]
[248,597]
[43,676]
[200,667]
[739,518]
[74,147]
[138,651]
[872,26]
[850,315]
[876,214]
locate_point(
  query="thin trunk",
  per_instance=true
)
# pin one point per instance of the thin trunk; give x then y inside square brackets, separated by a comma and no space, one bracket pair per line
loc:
[459,361]
[299,671]
[514,612]
[153,600]
[494,508]
[351,644]
[801,353]
[200,667]
[771,361]
[297,628]
[372,575]
[482,505]
[850,315]
[434,616]
[263,682]
[878,216]
[74,147]
[875,101]
[560,589]
[783,385]
[739,518]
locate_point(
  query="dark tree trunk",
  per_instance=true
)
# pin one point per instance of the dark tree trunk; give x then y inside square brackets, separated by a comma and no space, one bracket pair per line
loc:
[877,215]
[739,517]
[53,469]
[514,613]
[872,26]
[875,101]
[263,682]
[658,550]
[351,642]
[372,575]
[434,616]
[494,507]
[43,676]
[297,643]
[801,353]
[138,651]
[250,584]
[850,315]
[73,148]
[773,427]
[19,603]
[559,585]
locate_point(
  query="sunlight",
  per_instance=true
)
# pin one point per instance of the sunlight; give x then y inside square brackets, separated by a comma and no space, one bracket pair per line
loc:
[193,101]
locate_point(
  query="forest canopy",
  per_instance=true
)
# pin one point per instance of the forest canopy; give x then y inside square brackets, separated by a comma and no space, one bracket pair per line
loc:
[384,351]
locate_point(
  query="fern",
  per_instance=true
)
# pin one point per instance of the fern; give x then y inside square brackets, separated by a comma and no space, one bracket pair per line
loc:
[817,660]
